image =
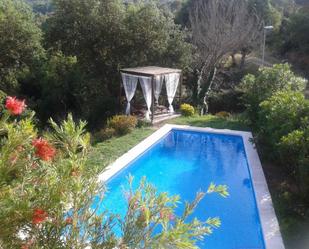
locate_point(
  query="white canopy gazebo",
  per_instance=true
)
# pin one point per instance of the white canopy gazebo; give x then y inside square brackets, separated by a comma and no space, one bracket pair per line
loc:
[151,80]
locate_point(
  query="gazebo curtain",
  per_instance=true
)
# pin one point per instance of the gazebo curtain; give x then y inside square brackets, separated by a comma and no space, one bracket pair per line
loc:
[146,88]
[171,83]
[158,87]
[129,84]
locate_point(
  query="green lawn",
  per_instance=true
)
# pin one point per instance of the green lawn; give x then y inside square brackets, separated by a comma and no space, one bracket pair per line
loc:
[232,122]
[106,152]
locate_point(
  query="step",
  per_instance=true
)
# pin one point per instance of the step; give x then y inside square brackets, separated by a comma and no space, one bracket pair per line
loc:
[163,117]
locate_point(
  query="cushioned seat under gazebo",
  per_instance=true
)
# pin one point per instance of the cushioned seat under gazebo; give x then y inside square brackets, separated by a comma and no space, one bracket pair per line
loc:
[151,80]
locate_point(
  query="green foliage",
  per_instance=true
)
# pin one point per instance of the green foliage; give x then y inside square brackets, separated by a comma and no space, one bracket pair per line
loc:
[122,124]
[20,42]
[223,114]
[295,32]
[49,203]
[281,114]
[154,37]
[41,6]
[269,81]
[143,123]
[103,134]
[267,12]
[228,100]
[60,87]
[294,149]
[187,110]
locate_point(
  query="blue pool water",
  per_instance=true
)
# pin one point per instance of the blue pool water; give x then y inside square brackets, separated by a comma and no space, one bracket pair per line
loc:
[184,162]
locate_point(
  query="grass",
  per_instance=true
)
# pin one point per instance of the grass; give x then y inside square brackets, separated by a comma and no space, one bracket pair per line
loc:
[104,153]
[233,122]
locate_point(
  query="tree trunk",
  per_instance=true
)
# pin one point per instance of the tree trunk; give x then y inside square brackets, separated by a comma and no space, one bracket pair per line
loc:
[205,107]
[233,60]
[243,58]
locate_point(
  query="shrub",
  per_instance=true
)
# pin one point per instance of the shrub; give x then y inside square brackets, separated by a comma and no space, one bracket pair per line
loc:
[47,194]
[122,124]
[103,134]
[223,114]
[187,110]
[269,81]
[143,123]
[281,114]
[228,100]
[294,148]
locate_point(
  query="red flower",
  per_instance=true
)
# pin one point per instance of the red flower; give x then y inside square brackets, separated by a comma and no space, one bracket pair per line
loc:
[171,217]
[43,149]
[68,220]
[39,215]
[27,245]
[15,106]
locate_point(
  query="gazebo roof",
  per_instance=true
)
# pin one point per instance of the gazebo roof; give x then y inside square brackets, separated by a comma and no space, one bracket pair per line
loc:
[150,70]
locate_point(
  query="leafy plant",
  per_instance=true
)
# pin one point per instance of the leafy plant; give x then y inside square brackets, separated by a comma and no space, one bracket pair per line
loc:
[223,114]
[122,124]
[281,114]
[268,81]
[187,110]
[294,149]
[20,42]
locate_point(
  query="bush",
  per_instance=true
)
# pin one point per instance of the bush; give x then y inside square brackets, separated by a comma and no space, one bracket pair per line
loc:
[122,124]
[223,114]
[103,134]
[294,148]
[187,110]
[281,114]
[143,123]
[228,100]
[269,81]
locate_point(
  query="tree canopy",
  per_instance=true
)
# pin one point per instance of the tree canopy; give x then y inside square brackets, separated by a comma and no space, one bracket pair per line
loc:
[20,43]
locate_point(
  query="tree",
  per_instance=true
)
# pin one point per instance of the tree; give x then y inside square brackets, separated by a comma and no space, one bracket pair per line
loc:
[153,38]
[296,35]
[220,28]
[20,43]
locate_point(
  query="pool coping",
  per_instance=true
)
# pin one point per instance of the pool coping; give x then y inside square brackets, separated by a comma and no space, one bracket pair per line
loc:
[270,226]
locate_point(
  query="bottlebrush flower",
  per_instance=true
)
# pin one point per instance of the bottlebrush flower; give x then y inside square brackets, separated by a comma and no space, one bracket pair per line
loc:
[68,220]
[39,216]
[15,106]
[43,149]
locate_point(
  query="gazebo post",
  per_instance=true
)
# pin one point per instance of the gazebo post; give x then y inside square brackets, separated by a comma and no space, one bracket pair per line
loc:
[180,88]
[119,96]
[152,99]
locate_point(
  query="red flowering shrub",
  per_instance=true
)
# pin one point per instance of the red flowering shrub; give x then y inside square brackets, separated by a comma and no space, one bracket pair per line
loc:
[43,149]
[39,216]
[15,106]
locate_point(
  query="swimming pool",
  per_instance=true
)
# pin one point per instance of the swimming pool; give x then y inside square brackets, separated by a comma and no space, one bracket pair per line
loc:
[183,160]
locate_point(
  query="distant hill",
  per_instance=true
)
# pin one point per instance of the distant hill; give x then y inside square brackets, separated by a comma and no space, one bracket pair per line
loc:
[302,2]
[41,6]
